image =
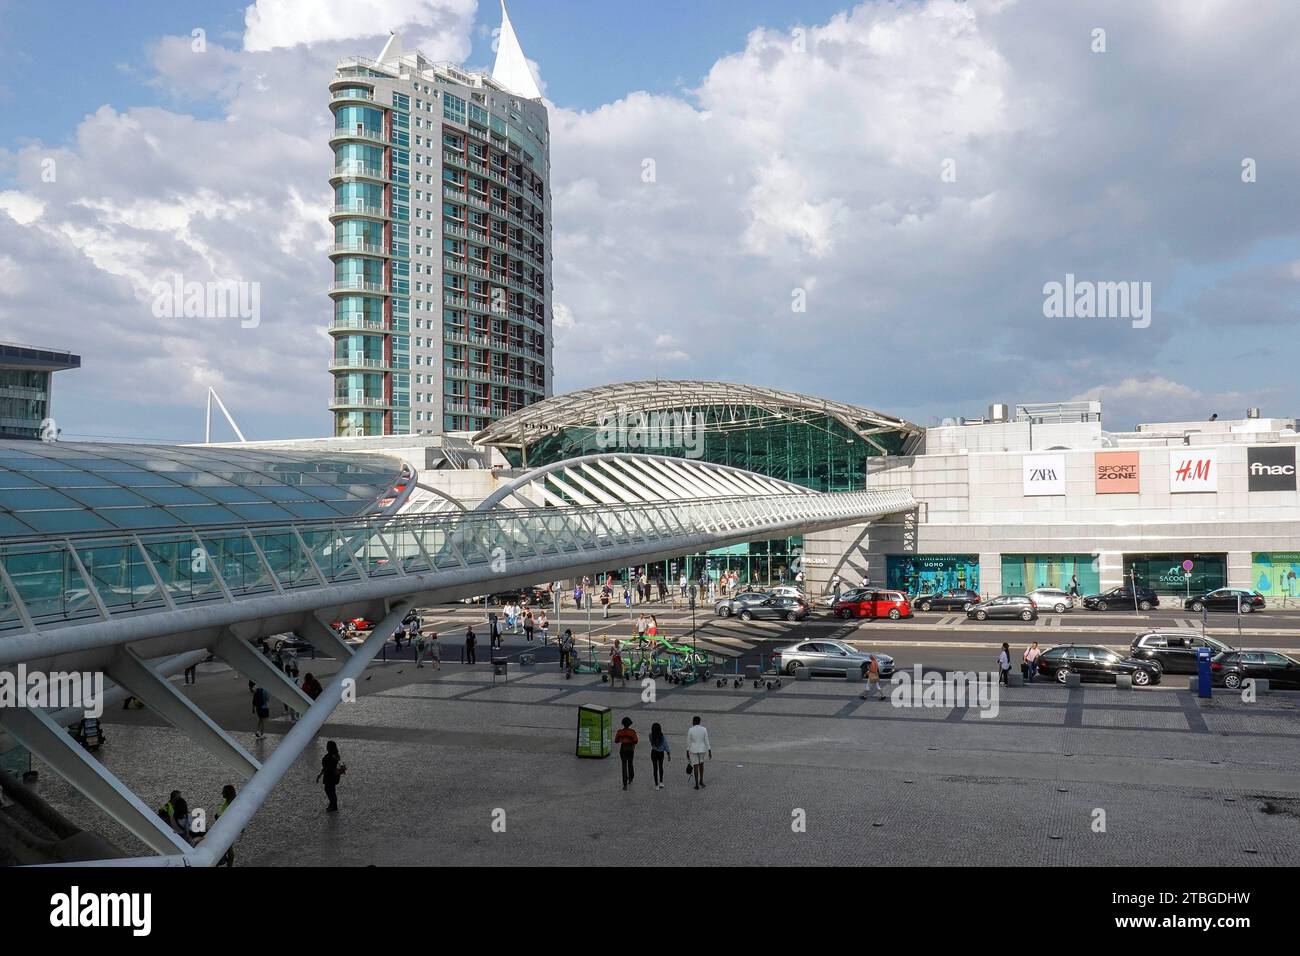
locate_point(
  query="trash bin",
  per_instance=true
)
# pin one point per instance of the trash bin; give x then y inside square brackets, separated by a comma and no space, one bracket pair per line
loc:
[595,731]
[499,666]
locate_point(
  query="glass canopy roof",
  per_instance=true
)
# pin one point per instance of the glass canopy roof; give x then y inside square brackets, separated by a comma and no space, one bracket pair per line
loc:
[56,488]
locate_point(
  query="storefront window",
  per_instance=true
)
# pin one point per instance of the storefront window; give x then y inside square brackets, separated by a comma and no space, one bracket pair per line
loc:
[1022,573]
[929,573]
[1164,572]
[1276,573]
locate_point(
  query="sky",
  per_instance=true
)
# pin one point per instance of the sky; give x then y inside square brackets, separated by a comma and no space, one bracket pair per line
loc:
[865,202]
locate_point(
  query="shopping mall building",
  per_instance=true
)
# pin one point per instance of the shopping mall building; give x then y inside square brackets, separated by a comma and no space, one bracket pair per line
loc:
[1024,497]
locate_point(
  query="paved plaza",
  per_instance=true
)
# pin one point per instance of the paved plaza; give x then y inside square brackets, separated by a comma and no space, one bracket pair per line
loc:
[435,759]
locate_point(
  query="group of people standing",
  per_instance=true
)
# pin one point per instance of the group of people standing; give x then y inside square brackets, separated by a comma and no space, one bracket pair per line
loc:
[698,748]
[1028,663]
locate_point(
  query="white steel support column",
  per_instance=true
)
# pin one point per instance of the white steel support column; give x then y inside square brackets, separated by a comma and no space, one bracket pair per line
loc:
[250,662]
[37,731]
[161,696]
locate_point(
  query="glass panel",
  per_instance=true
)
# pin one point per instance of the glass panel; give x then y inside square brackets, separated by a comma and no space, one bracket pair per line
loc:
[332,560]
[48,583]
[184,568]
[120,576]
[236,562]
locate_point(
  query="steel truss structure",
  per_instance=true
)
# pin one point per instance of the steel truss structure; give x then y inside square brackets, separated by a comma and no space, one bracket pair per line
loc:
[116,602]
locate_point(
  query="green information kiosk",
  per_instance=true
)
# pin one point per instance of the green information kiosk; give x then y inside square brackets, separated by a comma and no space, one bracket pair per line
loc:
[595,730]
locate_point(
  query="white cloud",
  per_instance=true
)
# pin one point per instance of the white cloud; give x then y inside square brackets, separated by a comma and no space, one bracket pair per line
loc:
[22,208]
[271,24]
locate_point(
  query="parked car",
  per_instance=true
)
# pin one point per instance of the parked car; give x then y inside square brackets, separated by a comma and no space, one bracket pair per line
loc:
[776,608]
[873,604]
[786,590]
[352,625]
[1232,667]
[735,605]
[1052,599]
[1003,606]
[830,657]
[1122,598]
[1094,663]
[957,599]
[1226,599]
[288,642]
[1174,651]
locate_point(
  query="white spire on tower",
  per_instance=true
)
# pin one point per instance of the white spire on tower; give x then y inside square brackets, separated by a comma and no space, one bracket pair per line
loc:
[511,68]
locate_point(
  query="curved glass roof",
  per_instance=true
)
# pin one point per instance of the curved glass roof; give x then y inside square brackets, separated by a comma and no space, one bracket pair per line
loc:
[55,488]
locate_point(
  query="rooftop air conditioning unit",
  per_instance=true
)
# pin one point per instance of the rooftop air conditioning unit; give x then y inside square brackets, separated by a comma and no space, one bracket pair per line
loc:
[999,412]
[1252,413]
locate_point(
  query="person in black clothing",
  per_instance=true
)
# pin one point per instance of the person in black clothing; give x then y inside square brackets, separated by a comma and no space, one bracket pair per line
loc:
[471,642]
[332,770]
[494,632]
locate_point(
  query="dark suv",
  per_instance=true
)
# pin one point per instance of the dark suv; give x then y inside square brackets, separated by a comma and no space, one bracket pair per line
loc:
[1174,651]
[1226,599]
[958,599]
[1121,598]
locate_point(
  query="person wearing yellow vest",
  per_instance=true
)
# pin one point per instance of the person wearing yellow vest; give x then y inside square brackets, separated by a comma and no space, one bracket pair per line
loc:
[227,796]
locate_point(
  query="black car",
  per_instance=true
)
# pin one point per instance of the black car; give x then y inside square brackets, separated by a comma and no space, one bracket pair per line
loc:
[1174,651]
[736,605]
[956,599]
[776,608]
[527,595]
[1226,599]
[1230,669]
[1094,663]
[1008,605]
[1122,598]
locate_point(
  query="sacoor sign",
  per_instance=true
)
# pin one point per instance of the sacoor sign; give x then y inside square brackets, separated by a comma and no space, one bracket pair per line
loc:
[1117,472]
[1193,471]
[1044,475]
[1271,469]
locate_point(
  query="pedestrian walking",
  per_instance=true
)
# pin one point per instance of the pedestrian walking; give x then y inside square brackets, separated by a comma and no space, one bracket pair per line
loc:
[641,625]
[835,585]
[471,643]
[435,651]
[616,667]
[627,741]
[697,747]
[604,601]
[192,674]
[1032,654]
[262,708]
[494,632]
[873,679]
[332,769]
[659,752]
[652,629]
[530,625]
[1004,664]
[543,626]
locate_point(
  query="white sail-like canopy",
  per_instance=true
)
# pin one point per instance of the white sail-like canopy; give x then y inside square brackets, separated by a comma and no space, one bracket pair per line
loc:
[511,68]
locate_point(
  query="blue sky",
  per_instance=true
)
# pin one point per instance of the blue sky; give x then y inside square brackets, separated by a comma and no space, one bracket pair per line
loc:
[594,51]
[780,171]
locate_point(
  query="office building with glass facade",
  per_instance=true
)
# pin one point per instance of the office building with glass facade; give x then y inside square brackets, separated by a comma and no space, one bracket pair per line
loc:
[26,389]
[442,243]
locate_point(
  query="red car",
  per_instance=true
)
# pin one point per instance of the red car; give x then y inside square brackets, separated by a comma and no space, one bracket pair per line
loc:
[890,604]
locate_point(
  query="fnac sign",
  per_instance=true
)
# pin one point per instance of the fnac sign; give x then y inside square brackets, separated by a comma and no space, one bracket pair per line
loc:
[1193,470]
[1116,472]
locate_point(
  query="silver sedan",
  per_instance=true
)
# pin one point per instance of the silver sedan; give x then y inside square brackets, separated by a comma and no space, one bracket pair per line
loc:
[830,657]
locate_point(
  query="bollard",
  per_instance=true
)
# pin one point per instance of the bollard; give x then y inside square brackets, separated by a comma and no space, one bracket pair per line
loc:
[1123,681]
[1073,680]
[802,673]
[1015,679]
[1260,685]
[1193,683]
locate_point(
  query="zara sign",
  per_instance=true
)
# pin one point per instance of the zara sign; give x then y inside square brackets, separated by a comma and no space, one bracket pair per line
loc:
[1044,475]
[1271,468]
